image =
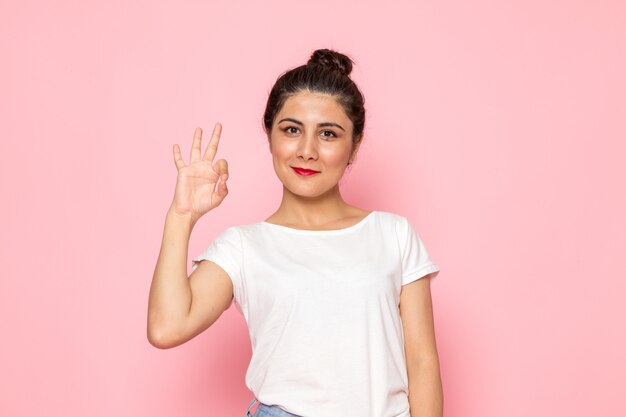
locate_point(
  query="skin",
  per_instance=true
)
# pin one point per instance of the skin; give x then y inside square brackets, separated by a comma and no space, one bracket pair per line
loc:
[182,307]
[422,359]
[315,203]
[312,202]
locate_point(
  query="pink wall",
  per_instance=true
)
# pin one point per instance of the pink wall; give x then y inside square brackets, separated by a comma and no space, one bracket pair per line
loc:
[498,128]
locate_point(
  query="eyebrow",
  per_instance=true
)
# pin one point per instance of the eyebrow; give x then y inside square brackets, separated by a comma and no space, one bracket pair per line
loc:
[289,119]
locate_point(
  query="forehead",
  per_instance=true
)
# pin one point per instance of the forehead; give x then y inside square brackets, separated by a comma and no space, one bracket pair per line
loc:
[313,106]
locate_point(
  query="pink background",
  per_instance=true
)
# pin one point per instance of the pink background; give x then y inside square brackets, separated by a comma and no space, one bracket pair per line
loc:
[497,128]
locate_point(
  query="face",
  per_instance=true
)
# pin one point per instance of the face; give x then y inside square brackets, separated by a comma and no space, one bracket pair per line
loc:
[311,131]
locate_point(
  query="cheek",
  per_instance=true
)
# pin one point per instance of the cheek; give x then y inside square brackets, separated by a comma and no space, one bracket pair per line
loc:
[279,150]
[337,157]
[281,156]
[283,149]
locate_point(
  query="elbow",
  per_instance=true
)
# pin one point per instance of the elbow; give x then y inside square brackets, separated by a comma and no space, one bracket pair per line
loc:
[157,340]
[160,338]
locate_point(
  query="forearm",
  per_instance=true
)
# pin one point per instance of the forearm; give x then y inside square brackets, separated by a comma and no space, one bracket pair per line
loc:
[425,389]
[170,291]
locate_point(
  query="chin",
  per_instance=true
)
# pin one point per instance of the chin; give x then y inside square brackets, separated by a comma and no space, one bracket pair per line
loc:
[304,193]
[307,192]
[304,189]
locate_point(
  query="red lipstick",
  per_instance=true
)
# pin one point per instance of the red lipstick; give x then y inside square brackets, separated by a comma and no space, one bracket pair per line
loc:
[304,171]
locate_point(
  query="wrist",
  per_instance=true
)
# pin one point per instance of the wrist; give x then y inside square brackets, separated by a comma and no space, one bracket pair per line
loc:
[173,216]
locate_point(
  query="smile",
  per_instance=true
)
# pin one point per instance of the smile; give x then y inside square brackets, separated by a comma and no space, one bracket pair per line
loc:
[305,172]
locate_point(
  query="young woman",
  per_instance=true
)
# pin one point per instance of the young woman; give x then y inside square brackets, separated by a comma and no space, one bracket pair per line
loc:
[336,298]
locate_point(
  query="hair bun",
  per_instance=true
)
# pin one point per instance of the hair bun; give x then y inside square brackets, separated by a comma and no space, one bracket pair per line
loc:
[332,60]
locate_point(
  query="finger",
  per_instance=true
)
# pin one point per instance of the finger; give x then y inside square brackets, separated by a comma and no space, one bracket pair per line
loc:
[222,190]
[221,168]
[195,145]
[211,149]
[178,160]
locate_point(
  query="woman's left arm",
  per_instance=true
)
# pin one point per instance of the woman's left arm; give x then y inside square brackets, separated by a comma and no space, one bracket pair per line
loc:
[425,388]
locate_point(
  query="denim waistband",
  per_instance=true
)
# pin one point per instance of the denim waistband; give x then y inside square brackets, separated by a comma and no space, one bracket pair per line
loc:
[269,410]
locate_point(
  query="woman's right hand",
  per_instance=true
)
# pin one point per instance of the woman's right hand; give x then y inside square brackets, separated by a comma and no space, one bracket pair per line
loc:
[197,189]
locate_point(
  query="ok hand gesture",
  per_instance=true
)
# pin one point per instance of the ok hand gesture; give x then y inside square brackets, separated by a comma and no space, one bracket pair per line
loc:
[197,189]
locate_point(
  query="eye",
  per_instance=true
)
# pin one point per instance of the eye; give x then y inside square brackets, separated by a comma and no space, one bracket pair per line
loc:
[332,134]
[287,129]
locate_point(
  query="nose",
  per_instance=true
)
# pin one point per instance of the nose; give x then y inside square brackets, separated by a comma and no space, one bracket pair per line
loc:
[307,148]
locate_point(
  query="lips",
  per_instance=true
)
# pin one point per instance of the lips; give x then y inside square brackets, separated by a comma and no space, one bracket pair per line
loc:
[304,171]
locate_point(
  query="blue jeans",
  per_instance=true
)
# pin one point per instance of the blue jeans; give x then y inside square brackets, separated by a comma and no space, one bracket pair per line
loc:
[264,410]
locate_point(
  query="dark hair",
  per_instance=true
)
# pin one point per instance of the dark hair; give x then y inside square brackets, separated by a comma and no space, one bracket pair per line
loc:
[327,72]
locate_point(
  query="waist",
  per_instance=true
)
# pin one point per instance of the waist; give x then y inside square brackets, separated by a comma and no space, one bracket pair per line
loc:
[264,410]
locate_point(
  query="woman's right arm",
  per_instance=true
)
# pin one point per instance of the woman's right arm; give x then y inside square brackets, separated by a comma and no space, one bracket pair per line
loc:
[181,307]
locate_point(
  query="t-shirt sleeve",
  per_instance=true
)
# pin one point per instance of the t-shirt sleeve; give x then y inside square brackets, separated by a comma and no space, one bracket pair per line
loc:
[416,262]
[226,251]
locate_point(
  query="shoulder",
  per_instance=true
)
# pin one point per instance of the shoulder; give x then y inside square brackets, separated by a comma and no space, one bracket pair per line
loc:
[393,219]
[244,231]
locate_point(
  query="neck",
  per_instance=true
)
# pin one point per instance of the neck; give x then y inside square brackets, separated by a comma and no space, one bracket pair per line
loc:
[311,211]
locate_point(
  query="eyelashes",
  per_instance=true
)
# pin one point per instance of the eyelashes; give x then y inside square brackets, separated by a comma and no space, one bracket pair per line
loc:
[331,132]
[331,136]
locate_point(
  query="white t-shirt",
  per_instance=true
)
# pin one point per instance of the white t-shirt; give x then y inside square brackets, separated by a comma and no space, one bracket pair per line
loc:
[322,308]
